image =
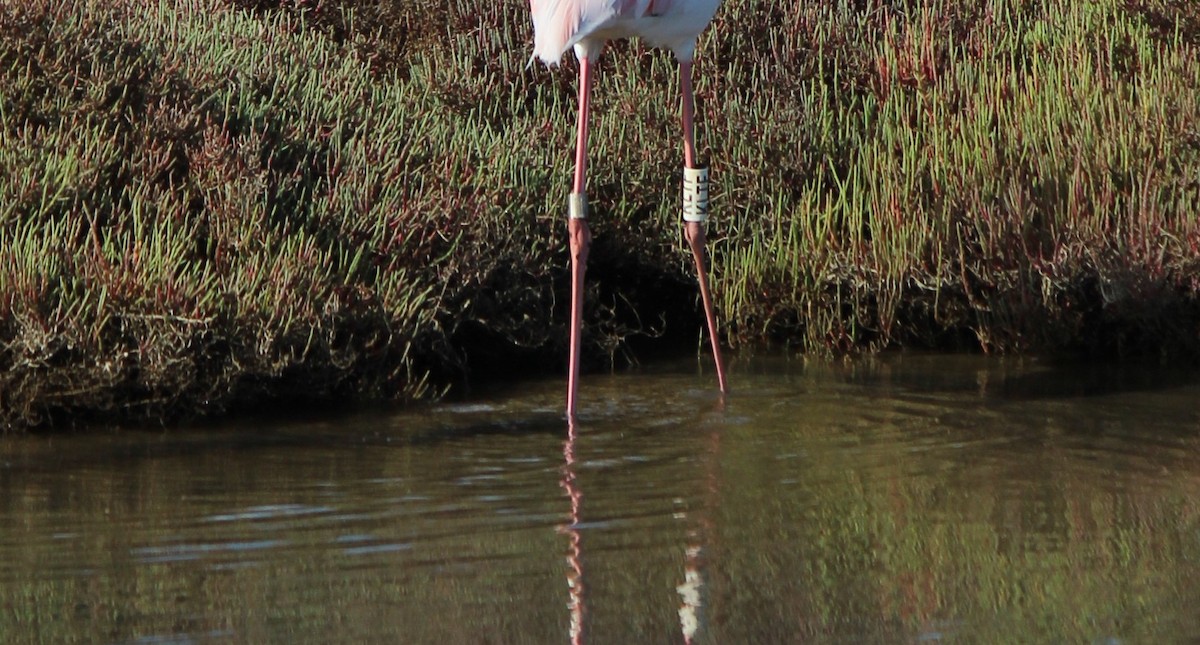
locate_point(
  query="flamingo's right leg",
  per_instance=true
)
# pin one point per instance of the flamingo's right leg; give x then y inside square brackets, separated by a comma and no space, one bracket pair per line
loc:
[580,236]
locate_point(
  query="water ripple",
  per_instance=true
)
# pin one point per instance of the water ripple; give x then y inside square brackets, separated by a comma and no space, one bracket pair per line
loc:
[271,511]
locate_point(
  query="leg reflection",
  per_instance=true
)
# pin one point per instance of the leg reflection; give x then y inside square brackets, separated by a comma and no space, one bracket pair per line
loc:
[699,539]
[691,590]
[575,572]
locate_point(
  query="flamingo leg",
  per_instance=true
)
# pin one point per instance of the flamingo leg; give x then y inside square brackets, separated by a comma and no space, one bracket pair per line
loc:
[580,236]
[694,230]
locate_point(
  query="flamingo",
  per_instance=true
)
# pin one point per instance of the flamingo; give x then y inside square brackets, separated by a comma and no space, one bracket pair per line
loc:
[585,26]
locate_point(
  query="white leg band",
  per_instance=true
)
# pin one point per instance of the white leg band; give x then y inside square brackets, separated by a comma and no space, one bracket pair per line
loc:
[695,194]
[578,206]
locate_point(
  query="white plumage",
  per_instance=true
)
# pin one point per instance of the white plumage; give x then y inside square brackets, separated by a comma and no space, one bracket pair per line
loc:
[585,25]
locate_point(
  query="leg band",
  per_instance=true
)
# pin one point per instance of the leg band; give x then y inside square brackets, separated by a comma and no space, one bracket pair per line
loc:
[695,194]
[578,206]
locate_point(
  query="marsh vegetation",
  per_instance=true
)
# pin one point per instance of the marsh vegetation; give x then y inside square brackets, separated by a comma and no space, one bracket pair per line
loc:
[217,201]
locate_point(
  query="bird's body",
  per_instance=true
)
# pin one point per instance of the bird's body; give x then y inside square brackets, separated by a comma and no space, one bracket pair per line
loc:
[560,25]
[585,26]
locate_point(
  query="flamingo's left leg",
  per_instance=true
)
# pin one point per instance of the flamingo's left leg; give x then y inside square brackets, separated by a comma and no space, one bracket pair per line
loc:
[695,212]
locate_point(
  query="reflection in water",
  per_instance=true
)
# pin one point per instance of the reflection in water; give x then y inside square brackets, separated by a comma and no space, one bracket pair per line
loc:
[574,552]
[899,500]
[689,593]
[692,585]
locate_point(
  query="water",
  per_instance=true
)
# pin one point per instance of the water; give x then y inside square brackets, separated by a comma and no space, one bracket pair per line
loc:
[904,499]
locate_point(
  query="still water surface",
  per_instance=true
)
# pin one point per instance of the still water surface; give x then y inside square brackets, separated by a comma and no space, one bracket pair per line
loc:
[903,499]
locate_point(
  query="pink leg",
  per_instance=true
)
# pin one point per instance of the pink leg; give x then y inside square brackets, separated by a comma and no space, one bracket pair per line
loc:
[580,236]
[694,231]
